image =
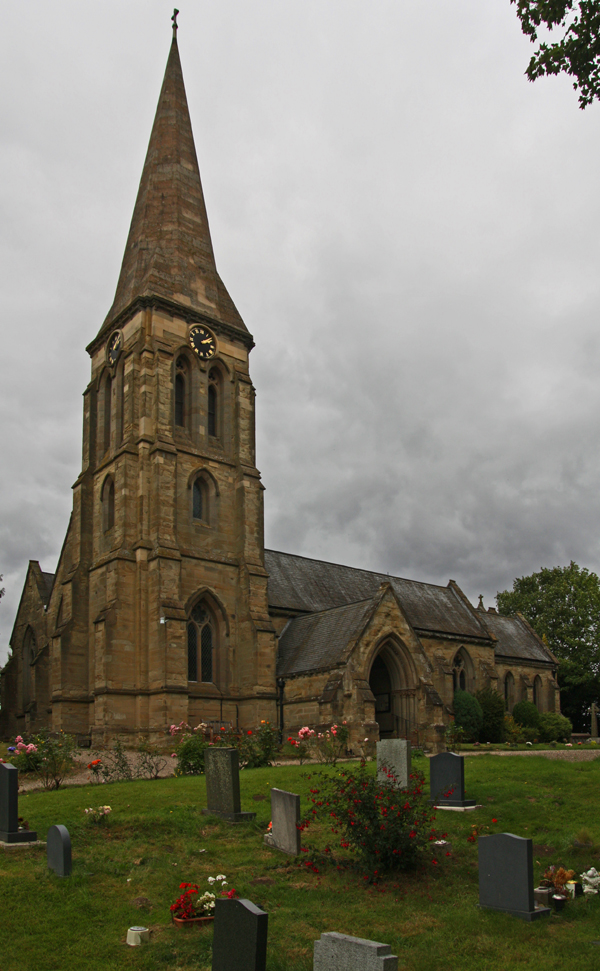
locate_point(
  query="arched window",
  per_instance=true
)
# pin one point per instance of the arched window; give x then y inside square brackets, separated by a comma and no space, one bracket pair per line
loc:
[108,504]
[509,691]
[198,502]
[537,691]
[107,412]
[28,656]
[200,642]
[459,678]
[181,388]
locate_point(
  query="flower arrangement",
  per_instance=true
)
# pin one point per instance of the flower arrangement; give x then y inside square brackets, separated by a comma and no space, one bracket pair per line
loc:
[97,815]
[191,904]
[557,878]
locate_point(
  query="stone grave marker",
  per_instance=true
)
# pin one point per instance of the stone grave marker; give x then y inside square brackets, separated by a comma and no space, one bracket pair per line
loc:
[240,938]
[58,850]
[9,807]
[394,754]
[506,876]
[285,817]
[447,781]
[339,952]
[222,770]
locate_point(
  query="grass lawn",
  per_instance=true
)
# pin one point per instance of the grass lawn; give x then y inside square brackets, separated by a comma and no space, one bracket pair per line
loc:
[156,837]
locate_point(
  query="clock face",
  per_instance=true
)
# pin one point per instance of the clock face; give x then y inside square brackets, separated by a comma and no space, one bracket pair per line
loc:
[114,347]
[203,342]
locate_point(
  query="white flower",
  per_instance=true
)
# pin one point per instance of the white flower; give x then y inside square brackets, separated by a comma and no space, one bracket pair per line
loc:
[211,880]
[220,876]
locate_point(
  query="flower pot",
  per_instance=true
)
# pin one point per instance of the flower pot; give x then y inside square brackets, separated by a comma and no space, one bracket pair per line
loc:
[192,921]
[559,902]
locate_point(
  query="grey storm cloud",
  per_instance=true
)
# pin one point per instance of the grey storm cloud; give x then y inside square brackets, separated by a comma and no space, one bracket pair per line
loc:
[408,227]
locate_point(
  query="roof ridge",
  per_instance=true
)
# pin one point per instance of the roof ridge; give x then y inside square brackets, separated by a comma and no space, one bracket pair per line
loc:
[360,569]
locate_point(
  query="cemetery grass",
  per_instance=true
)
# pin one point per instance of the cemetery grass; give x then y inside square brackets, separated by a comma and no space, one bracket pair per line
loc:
[128,873]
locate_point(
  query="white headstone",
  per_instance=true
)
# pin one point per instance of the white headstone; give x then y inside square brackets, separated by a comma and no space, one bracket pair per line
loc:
[393,754]
[285,817]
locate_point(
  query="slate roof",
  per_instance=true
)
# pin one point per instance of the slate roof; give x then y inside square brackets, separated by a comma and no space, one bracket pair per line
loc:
[297,583]
[515,638]
[321,640]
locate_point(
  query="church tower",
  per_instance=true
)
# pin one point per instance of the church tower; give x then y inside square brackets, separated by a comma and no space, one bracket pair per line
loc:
[158,611]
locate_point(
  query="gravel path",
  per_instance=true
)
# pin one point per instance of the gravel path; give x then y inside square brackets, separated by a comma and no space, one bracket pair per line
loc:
[81,776]
[585,755]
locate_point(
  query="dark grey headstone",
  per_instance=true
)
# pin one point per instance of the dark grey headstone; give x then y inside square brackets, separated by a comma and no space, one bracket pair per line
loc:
[285,817]
[447,781]
[393,755]
[240,938]
[222,770]
[506,876]
[58,849]
[9,807]
[339,952]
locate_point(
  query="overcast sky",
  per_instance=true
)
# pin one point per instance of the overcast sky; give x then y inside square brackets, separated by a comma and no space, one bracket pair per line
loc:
[409,228]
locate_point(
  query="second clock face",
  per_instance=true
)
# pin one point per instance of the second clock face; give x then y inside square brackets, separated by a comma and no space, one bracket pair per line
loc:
[203,342]
[114,347]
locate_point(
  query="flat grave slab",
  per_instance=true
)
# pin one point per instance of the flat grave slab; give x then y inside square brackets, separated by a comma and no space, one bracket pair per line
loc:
[340,952]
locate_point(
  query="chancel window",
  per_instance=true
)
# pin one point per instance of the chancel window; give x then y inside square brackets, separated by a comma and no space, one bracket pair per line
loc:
[459,678]
[537,691]
[200,643]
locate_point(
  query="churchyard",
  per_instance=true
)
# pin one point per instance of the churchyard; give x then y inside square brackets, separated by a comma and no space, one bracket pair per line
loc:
[128,864]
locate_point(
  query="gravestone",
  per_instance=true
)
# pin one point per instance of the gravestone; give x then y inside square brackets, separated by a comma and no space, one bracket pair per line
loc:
[506,876]
[222,770]
[240,938]
[394,755]
[285,818]
[339,952]
[9,807]
[447,781]
[58,850]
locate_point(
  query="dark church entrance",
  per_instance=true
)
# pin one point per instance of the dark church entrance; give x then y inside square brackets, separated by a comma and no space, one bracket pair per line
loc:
[380,684]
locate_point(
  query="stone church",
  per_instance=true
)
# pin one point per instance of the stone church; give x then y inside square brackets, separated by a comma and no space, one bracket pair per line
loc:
[165,606]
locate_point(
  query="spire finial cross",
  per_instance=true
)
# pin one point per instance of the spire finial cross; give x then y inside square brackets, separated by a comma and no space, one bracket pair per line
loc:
[174,19]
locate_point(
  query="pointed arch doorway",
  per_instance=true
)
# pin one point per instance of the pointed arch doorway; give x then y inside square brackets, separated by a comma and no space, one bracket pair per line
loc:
[392,683]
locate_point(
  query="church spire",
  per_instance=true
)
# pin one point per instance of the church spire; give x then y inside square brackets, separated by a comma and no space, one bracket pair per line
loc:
[169,252]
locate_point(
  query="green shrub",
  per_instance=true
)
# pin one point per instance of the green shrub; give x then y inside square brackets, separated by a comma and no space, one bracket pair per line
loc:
[526,714]
[492,706]
[258,748]
[554,727]
[190,755]
[468,715]
[387,828]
